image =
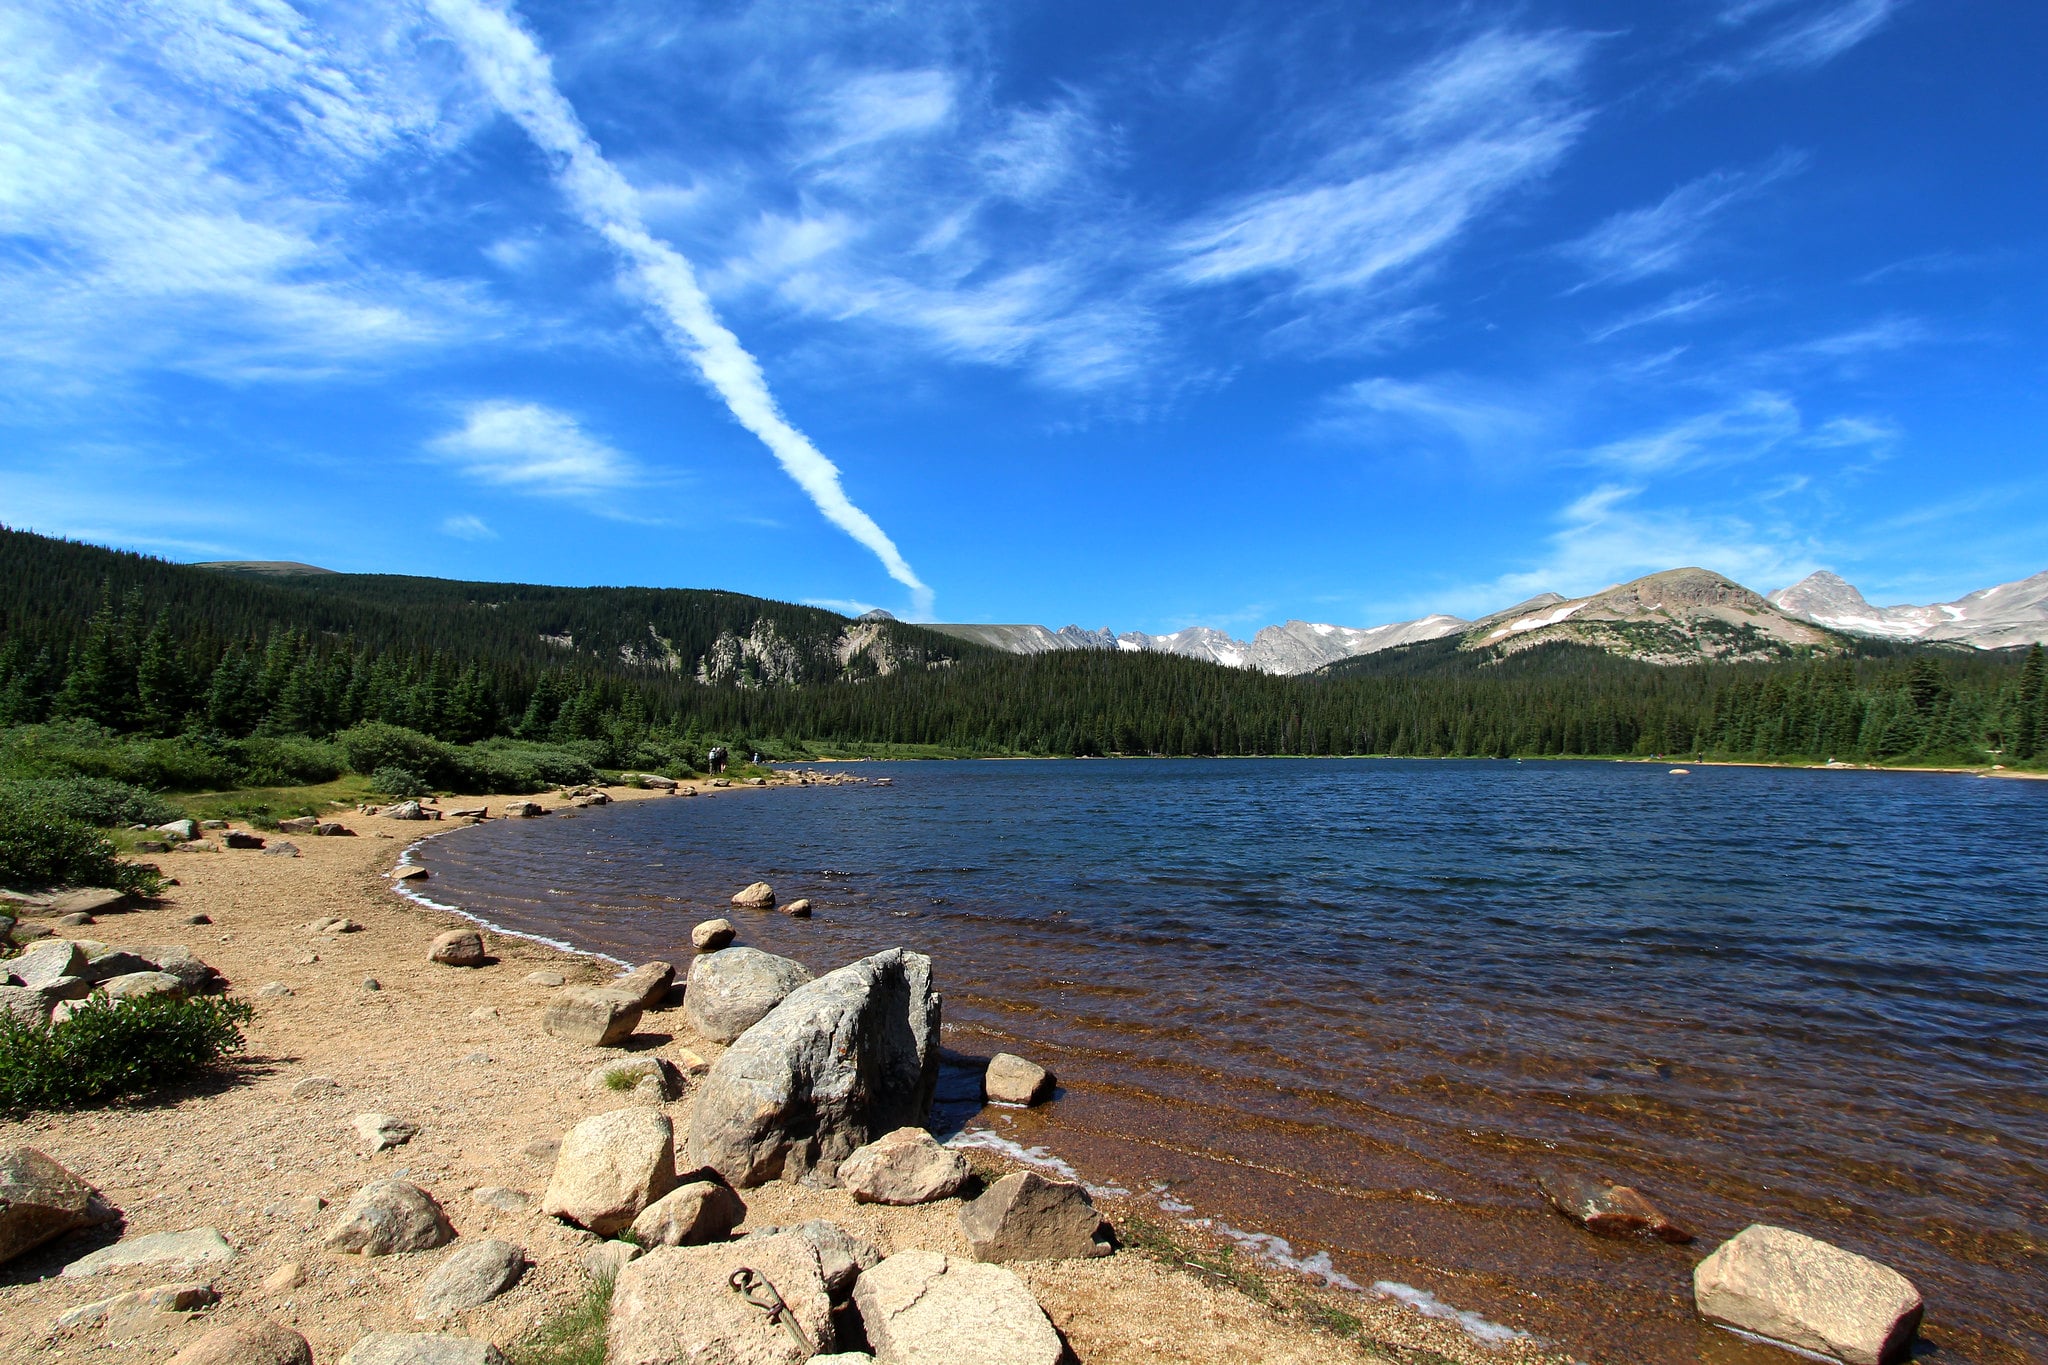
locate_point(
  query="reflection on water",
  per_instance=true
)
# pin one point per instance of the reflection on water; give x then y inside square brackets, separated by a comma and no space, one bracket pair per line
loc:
[1354,1003]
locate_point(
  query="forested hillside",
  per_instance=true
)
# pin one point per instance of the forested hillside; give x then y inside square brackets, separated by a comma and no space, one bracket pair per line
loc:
[649,677]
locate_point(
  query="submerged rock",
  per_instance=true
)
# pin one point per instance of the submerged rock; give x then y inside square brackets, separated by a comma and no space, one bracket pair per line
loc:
[841,1061]
[1610,1210]
[1011,1079]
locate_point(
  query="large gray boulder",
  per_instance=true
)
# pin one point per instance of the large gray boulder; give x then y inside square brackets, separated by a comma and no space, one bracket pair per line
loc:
[472,1275]
[676,1305]
[610,1167]
[177,960]
[907,1166]
[188,1250]
[46,961]
[841,1061]
[1025,1217]
[28,1004]
[422,1348]
[39,1199]
[927,1308]
[389,1216]
[733,989]
[1011,1079]
[134,985]
[1807,1293]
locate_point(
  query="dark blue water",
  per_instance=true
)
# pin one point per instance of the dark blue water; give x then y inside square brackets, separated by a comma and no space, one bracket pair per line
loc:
[1356,1003]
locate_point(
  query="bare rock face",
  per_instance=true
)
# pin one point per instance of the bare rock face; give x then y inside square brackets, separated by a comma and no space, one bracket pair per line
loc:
[907,1166]
[257,1341]
[1011,1079]
[841,1061]
[28,1004]
[712,935]
[39,1200]
[472,1275]
[612,1166]
[677,1305]
[648,983]
[695,1212]
[759,896]
[389,1216]
[421,1348]
[841,1255]
[1807,1293]
[458,948]
[139,1310]
[1610,1210]
[1025,1217]
[595,1018]
[733,989]
[927,1308]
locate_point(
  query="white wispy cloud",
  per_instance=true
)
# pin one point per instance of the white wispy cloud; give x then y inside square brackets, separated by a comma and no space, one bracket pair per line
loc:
[467,526]
[1671,233]
[1606,536]
[1462,133]
[1751,426]
[1814,34]
[1482,419]
[520,79]
[1682,303]
[174,176]
[532,448]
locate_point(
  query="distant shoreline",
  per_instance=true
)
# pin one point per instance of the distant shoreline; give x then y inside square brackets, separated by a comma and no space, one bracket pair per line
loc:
[1677,762]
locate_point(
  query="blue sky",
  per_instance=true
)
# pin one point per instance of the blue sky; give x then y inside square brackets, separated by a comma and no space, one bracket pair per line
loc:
[1140,315]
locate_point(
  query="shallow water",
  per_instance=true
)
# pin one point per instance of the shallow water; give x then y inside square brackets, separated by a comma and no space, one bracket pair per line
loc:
[1354,1004]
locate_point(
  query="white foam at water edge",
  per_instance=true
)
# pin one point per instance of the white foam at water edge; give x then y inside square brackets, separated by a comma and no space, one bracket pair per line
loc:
[1781,1345]
[1430,1306]
[1040,1157]
[1280,1252]
[405,889]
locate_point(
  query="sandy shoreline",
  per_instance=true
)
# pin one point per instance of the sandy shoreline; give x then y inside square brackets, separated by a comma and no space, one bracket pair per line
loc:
[461,1052]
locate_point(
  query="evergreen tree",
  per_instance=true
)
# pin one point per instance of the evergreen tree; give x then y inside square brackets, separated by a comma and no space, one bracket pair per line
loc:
[100,684]
[2032,710]
[163,682]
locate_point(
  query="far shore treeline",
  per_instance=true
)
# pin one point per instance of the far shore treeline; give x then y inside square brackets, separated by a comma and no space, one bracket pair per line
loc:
[190,678]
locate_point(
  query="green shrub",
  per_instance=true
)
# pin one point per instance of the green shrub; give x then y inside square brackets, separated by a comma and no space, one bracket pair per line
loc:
[288,761]
[510,765]
[111,1048]
[90,800]
[399,782]
[77,748]
[374,745]
[40,847]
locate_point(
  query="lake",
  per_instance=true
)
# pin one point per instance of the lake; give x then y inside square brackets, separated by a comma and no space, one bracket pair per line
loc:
[1343,1009]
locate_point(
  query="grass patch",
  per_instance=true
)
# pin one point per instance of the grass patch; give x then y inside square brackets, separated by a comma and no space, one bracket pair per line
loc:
[1156,1240]
[574,1336]
[620,1080]
[112,1048]
[263,807]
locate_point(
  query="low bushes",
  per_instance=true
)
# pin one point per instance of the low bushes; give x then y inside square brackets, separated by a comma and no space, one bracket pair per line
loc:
[111,1048]
[41,846]
[189,762]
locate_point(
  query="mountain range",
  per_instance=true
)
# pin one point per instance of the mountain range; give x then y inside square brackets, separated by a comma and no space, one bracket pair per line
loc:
[1677,616]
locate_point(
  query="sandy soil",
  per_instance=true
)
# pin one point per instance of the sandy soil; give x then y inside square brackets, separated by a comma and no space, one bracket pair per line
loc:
[461,1053]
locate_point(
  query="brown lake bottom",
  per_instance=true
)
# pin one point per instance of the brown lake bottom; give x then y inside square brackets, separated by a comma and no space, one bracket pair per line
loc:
[1341,1012]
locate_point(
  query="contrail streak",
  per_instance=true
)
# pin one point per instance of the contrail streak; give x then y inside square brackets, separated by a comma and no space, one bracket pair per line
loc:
[521,80]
